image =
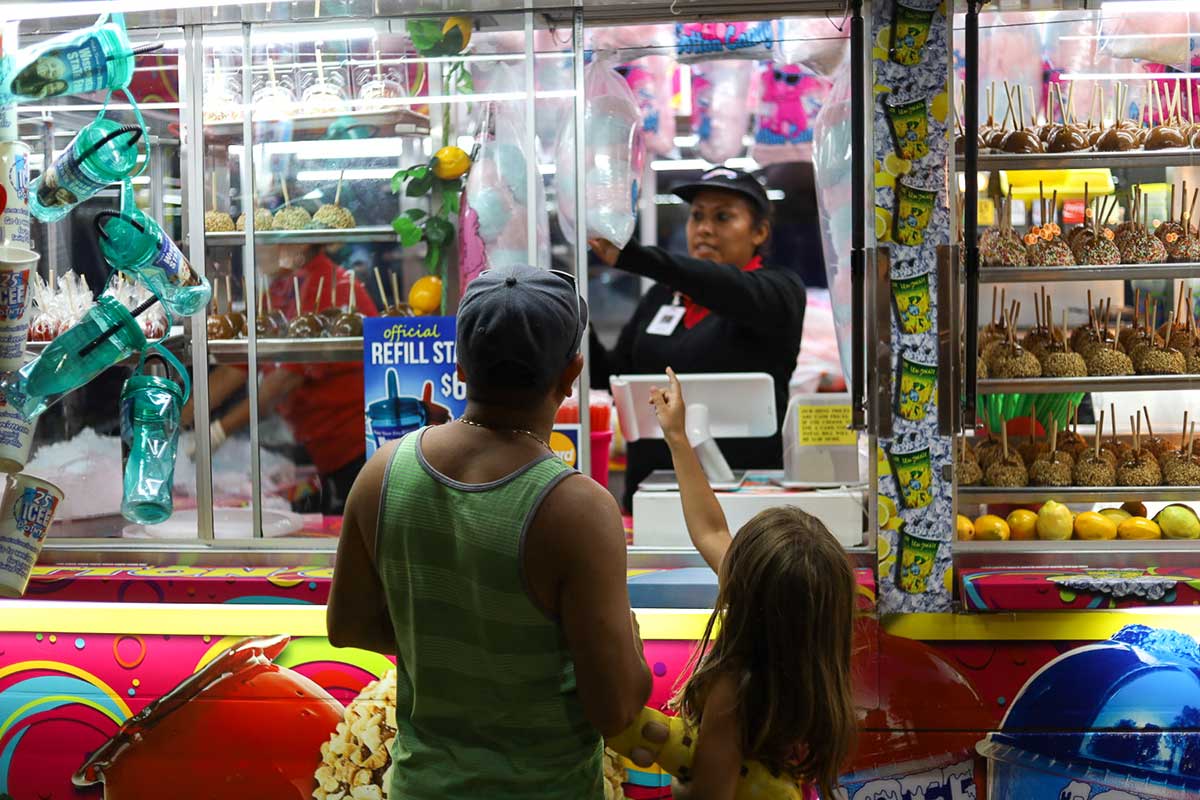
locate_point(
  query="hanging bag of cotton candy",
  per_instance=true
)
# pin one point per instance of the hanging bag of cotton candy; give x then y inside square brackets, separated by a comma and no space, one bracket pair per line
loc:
[724,96]
[494,217]
[614,156]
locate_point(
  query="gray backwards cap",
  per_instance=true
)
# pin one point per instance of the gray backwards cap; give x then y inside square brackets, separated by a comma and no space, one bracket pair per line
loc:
[519,326]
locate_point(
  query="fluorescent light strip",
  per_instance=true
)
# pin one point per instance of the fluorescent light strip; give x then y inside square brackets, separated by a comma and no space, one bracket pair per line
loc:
[699,164]
[92,8]
[1128,76]
[322,150]
[1122,7]
[381,174]
[96,107]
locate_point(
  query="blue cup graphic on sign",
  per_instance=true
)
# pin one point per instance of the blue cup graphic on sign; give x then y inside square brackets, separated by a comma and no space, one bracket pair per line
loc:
[394,416]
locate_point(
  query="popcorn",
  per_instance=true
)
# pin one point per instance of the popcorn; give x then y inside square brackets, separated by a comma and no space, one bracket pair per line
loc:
[356,762]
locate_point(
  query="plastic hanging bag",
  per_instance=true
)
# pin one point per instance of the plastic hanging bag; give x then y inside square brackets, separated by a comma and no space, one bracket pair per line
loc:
[96,58]
[819,45]
[722,99]
[614,156]
[494,215]
[832,141]
[102,153]
[1160,38]
[553,72]
[714,41]
[650,80]
[791,99]
[150,414]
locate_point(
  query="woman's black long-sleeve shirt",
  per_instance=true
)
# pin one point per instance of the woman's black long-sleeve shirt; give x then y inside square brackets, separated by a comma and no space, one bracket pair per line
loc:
[755,326]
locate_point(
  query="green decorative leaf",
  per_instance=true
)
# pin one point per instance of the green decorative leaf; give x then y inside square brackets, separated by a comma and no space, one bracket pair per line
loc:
[452,42]
[419,171]
[433,257]
[450,195]
[438,230]
[419,187]
[408,231]
[426,34]
[398,181]
[416,214]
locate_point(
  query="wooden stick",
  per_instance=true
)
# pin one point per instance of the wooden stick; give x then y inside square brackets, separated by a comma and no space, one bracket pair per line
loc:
[287,201]
[1183,430]
[1134,430]
[350,300]
[1099,432]
[213,182]
[395,289]
[296,288]
[1117,334]
[337,196]
[1070,103]
[320,293]
[1037,313]
[1004,438]
[228,295]
[1191,440]
[993,317]
[1053,437]
[1066,336]
[379,282]
[1148,428]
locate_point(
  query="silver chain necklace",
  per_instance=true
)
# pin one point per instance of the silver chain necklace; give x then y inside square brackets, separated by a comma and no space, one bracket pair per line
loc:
[522,431]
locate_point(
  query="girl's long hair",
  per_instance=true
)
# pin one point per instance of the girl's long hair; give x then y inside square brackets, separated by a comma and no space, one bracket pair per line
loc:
[786,614]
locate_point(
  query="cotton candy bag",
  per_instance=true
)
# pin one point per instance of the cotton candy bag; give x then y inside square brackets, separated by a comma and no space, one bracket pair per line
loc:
[722,99]
[791,98]
[614,156]
[494,214]
[650,80]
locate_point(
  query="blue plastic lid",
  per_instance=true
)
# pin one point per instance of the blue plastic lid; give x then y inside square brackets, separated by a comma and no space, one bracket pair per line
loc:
[1130,705]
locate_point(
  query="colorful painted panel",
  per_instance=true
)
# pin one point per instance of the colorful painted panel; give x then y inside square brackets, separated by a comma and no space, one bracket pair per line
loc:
[1078,588]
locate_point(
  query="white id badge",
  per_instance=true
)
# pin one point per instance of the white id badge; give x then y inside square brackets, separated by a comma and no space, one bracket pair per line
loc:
[666,320]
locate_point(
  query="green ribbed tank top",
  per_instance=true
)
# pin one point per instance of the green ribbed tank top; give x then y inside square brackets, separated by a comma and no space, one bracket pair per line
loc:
[486,705]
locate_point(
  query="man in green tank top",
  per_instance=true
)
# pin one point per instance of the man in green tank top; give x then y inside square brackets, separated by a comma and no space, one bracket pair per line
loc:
[493,572]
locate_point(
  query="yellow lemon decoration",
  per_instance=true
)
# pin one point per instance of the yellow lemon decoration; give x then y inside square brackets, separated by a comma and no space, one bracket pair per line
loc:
[1023,524]
[883,179]
[883,226]
[894,165]
[464,28]
[425,296]
[940,106]
[883,38]
[1139,528]
[990,528]
[964,529]
[883,547]
[882,465]
[948,580]
[1092,525]
[450,163]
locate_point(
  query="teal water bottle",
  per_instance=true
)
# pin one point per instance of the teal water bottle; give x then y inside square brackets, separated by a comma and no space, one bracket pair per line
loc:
[91,60]
[74,358]
[150,406]
[103,152]
[134,244]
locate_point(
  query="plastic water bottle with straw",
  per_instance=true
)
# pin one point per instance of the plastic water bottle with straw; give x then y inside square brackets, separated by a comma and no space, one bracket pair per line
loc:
[96,58]
[107,335]
[394,416]
[104,152]
[134,244]
[150,407]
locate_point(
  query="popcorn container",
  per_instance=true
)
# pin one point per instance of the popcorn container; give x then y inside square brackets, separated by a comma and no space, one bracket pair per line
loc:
[16,263]
[25,515]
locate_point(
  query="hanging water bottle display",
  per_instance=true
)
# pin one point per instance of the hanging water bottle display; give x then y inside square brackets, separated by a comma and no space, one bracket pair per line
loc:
[107,335]
[150,408]
[103,152]
[90,60]
[134,244]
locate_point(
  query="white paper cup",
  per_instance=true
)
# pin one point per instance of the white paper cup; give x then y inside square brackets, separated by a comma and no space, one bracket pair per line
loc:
[25,515]
[16,263]
[16,438]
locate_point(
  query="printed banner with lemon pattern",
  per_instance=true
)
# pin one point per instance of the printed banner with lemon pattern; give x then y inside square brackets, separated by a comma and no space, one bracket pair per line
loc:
[910,60]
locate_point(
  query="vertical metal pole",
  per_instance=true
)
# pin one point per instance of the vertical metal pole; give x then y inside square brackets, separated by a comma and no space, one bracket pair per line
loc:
[581,249]
[971,217]
[533,177]
[50,257]
[158,182]
[858,188]
[249,277]
[191,85]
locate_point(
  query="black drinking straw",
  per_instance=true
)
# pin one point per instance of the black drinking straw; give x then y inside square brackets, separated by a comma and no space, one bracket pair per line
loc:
[99,340]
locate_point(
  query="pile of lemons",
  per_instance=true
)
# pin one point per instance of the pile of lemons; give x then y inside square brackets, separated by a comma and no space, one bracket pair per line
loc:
[1055,522]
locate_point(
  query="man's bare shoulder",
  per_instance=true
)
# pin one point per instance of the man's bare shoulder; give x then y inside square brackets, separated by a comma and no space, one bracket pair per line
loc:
[579,512]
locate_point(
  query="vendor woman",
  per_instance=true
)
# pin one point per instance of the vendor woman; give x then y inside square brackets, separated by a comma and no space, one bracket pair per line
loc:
[719,310]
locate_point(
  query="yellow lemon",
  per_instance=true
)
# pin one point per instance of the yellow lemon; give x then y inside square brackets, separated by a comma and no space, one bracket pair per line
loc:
[883,547]
[991,528]
[450,163]
[1023,524]
[1117,515]
[882,465]
[964,529]
[894,165]
[425,296]
[940,106]
[884,179]
[1139,528]
[1091,525]
[883,227]
[464,27]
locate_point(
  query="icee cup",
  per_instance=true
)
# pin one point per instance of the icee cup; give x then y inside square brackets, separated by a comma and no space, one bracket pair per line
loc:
[1115,720]
[242,728]
[26,513]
